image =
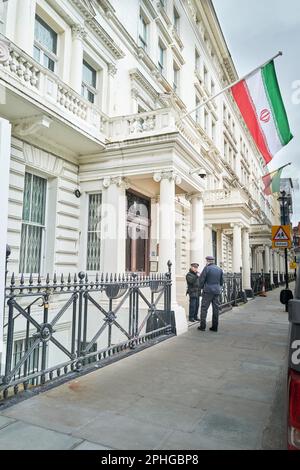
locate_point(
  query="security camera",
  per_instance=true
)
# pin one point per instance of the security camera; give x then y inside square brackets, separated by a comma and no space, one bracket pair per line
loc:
[200,172]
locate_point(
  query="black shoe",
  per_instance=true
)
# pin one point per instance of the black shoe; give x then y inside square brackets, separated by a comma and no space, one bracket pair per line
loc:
[201,328]
[213,329]
[192,320]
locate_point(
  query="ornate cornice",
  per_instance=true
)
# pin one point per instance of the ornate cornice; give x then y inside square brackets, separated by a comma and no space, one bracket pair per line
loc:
[106,39]
[137,77]
[85,7]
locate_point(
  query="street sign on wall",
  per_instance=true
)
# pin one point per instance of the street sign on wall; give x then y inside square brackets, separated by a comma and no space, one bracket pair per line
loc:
[281,236]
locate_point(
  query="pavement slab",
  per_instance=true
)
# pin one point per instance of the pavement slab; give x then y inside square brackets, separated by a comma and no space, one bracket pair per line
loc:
[200,390]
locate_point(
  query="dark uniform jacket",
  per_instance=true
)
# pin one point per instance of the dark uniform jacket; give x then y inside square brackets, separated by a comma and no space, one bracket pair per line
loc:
[211,279]
[193,285]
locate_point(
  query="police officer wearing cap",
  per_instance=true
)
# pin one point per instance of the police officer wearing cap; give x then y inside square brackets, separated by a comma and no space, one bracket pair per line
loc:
[211,281]
[193,289]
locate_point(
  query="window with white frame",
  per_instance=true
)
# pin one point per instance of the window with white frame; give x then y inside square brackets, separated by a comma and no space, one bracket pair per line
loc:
[143,32]
[213,130]
[226,150]
[161,57]
[176,19]
[206,121]
[205,75]
[45,44]
[89,82]
[175,77]
[197,60]
[212,88]
[197,112]
[94,232]
[33,224]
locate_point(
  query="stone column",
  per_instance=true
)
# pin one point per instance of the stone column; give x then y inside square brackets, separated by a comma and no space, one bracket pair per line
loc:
[11,18]
[78,34]
[113,225]
[167,219]
[25,19]
[167,180]
[197,229]
[219,259]
[207,242]
[246,260]
[5,139]
[267,259]
[272,266]
[237,248]
[260,264]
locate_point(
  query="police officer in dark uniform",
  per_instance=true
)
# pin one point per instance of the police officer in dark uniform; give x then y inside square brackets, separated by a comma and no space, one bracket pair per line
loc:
[211,281]
[193,289]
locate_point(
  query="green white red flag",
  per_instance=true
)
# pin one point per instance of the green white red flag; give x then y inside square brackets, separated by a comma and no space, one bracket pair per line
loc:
[272,181]
[259,100]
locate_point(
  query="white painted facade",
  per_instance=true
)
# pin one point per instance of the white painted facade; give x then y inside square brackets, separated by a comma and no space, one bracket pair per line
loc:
[149,65]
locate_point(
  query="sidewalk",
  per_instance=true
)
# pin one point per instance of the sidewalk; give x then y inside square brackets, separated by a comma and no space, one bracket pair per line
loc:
[201,390]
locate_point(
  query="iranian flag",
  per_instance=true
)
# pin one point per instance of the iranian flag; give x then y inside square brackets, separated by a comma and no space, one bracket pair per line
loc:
[259,100]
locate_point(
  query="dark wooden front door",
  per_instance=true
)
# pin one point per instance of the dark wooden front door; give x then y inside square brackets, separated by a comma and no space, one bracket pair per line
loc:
[138,230]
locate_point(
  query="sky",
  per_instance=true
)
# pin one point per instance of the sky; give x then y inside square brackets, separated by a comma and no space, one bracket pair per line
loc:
[255,31]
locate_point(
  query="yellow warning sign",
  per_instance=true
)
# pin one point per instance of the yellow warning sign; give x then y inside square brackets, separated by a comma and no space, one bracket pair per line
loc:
[281,236]
[293,265]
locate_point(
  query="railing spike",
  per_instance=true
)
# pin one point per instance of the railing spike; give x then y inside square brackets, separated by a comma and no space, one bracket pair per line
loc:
[97,278]
[69,278]
[102,277]
[12,281]
[39,280]
[30,279]
[22,279]
[106,277]
[75,278]
[86,278]
[115,277]
[111,277]
[54,279]
[62,279]
[48,278]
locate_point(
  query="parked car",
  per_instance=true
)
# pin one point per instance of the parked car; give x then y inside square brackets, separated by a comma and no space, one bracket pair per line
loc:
[294,370]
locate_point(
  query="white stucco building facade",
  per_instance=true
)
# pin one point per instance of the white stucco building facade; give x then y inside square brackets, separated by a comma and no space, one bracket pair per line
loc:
[95,92]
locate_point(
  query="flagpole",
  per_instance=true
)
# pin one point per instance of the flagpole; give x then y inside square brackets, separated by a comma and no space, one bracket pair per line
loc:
[231,85]
[280,168]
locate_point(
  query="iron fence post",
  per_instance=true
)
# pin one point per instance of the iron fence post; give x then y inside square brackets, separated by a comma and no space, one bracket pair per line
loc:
[81,276]
[10,337]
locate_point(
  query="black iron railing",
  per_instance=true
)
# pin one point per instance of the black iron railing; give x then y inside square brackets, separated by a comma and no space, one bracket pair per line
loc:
[256,283]
[62,327]
[232,290]
[267,279]
[263,280]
